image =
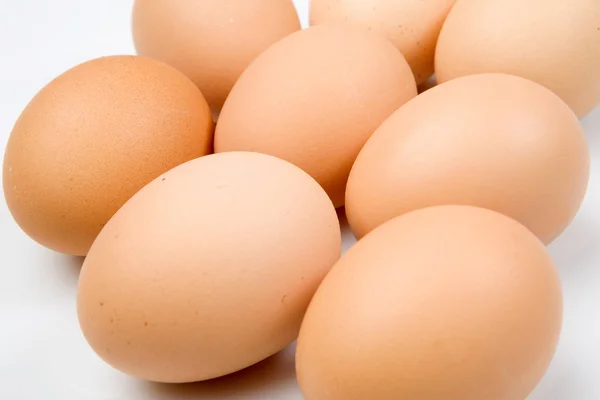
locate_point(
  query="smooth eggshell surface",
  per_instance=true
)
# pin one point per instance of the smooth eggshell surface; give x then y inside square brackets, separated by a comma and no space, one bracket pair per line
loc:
[412,26]
[93,137]
[553,42]
[211,41]
[449,302]
[314,98]
[208,269]
[491,140]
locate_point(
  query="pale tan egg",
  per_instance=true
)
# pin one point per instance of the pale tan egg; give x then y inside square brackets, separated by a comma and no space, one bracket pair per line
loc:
[448,302]
[553,42]
[211,41]
[412,26]
[208,269]
[314,99]
[491,140]
[93,137]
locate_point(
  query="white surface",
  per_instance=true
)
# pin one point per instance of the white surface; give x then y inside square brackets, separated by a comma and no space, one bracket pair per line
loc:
[42,353]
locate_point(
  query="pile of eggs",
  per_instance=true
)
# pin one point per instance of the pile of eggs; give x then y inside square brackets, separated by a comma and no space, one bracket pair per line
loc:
[201,179]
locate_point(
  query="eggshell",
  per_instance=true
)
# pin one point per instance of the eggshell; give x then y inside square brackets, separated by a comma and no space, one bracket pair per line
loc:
[412,26]
[211,41]
[92,138]
[449,302]
[314,98]
[491,140]
[208,269]
[553,42]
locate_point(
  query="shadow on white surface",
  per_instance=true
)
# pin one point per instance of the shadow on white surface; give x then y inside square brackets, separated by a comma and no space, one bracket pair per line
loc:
[559,384]
[59,273]
[70,267]
[274,378]
[579,239]
[576,241]
[348,239]
[576,253]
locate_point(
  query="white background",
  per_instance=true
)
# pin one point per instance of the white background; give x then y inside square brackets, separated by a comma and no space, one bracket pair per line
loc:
[42,352]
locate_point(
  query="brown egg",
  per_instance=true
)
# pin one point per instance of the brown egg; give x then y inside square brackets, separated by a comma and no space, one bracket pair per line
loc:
[553,42]
[314,99]
[412,25]
[211,41]
[448,302]
[492,140]
[208,269]
[92,138]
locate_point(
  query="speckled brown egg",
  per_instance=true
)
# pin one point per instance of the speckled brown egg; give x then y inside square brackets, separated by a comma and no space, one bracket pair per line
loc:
[92,138]
[491,140]
[412,25]
[553,42]
[314,99]
[448,302]
[208,269]
[211,41]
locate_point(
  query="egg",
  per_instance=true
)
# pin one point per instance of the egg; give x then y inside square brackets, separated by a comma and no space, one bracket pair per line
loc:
[491,140]
[211,41]
[314,98]
[93,137]
[208,269]
[555,43]
[412,25]
[447,302]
